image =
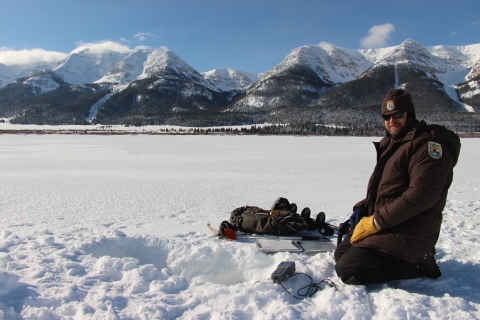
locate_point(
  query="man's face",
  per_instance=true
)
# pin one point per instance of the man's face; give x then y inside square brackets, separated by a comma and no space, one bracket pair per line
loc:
[394,126]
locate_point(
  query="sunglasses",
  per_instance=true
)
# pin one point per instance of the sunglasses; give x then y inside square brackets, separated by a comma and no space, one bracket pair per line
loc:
[396,115]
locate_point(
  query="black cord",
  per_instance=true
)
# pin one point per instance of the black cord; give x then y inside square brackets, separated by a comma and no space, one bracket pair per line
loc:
[311,288]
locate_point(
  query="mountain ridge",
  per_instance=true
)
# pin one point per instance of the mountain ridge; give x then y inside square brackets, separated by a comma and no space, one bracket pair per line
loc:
[156,85]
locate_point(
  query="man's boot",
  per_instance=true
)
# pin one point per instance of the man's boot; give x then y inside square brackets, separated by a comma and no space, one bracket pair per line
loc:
[429,266]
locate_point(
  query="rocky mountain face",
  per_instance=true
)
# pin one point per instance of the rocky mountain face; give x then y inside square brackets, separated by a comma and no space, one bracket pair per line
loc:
[320,83]
[306,74]
[226,79]
[6,75]
[469,91]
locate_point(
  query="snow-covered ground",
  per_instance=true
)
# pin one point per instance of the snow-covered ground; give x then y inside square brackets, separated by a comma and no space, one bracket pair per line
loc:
[114,227]
[6,126]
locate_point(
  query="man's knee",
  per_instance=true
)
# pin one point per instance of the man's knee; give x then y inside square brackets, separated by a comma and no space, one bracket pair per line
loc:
[337,255]
[342,248]
[346,274]
[353,263]
[343,272]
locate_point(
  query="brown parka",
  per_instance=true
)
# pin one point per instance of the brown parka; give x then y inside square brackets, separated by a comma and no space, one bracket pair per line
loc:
[408,190]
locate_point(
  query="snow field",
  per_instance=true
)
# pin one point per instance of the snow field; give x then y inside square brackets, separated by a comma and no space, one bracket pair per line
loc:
[114,227]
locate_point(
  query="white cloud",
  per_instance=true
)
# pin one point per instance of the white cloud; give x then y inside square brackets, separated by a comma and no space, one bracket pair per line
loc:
[476,23]
[102,47]
[453,33]
[29,56]
[11,57]
[142,36]
[377,36]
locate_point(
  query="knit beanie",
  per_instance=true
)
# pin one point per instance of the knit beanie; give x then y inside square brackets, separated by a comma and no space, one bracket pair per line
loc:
[398,99]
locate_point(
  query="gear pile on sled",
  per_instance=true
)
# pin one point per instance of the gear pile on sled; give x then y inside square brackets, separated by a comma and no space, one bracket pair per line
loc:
[281,228]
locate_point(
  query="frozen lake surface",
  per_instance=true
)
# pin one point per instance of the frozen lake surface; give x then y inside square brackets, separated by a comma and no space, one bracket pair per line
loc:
[114,227]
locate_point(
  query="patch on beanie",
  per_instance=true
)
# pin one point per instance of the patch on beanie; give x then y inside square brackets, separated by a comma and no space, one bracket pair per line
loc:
[390,105]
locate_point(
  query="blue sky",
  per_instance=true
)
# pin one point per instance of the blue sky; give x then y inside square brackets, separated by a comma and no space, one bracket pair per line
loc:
[248,35]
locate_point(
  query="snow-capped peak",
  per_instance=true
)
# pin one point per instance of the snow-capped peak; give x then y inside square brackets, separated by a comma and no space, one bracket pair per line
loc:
[87,66]
[410,51]
[128,69]
[226,79]
[43,82]
[161,61]
[435,59]
[330,63]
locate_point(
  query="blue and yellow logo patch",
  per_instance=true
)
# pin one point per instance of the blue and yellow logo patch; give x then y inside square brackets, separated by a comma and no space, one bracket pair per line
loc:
[434,150]
[390,105]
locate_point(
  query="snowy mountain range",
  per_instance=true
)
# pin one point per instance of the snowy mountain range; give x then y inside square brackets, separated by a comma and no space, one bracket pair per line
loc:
[329,67]
[146,83]
[9,73]
[119,68]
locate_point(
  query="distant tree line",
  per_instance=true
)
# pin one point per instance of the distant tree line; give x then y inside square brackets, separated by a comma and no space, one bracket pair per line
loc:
[293,129]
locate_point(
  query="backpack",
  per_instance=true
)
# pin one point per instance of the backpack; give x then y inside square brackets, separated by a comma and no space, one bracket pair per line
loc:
[281,219]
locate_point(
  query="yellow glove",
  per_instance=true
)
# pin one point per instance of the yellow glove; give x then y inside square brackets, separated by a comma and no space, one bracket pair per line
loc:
[363,229]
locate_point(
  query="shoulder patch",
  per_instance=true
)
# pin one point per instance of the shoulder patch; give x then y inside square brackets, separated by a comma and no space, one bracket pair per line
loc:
[434,150]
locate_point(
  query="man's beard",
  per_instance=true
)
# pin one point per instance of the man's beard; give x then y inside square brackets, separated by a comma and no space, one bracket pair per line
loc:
[409,124]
